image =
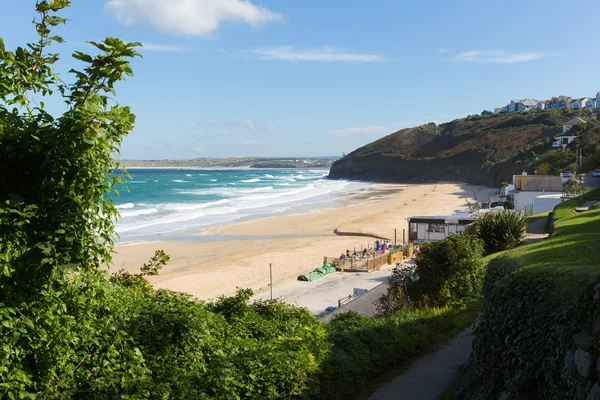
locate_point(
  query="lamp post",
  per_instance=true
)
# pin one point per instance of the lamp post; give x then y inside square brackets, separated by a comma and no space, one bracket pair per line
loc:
[271,280]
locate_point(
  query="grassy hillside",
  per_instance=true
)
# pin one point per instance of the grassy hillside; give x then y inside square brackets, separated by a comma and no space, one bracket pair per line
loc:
[477,149]
[536,298]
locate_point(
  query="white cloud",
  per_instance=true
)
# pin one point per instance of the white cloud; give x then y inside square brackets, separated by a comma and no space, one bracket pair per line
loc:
[270,128]
[499,57]
[163,47]
[443,50]
[189,17]
[359,130]
[198,149]
[250,124]
[326,54]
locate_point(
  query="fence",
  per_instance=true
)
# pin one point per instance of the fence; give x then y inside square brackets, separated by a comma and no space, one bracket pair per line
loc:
[372,263]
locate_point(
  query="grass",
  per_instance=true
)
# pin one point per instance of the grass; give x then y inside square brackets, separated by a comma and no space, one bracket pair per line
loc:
[461,321]
[572,250]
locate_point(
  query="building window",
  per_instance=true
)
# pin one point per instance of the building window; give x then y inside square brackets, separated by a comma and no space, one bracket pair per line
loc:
[436,228]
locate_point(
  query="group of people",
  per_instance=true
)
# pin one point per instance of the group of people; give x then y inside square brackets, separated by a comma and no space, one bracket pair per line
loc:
[380,248]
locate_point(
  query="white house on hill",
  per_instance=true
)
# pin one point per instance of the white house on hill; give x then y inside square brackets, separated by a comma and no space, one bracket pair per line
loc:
[571,123]
[528,187]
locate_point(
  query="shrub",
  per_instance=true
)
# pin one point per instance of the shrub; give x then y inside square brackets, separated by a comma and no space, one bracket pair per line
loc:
[364,348]
[500,230]
[450,271]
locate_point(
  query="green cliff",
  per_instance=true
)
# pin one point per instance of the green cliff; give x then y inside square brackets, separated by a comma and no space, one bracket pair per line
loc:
[478,149]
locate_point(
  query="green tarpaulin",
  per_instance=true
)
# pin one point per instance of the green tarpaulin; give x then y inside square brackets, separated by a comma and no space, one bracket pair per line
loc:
[317,273]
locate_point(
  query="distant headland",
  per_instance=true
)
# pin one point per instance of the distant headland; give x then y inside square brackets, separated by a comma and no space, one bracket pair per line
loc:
[235,162]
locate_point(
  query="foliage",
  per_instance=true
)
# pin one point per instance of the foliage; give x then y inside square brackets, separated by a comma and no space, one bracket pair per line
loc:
[572,186]
[450,271]
[500,230]
[125,278]
[397,295]
[543,169]
[553,163]
[364,348]
[227,349]
[536,298]
[592,161]
[56,172]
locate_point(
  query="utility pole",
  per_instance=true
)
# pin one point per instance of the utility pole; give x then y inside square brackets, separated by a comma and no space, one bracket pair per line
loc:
[271,279]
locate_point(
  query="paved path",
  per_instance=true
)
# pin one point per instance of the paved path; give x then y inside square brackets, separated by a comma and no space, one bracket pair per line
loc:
[536,231]
[325,292]
[428,378]
[364,304]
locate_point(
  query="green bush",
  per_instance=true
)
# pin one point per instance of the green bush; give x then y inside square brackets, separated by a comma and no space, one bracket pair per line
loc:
[364,349]
[500,230]
[450,271]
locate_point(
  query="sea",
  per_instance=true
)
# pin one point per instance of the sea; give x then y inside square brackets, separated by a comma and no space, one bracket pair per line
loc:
[180,204]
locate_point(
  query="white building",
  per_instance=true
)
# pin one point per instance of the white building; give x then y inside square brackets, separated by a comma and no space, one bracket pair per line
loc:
[528,187]
[561,142]
[571,123]
[598,100]
[434,228]
[578,104]
[546,203]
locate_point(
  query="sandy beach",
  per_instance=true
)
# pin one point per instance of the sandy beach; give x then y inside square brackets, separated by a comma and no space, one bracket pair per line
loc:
[294,244]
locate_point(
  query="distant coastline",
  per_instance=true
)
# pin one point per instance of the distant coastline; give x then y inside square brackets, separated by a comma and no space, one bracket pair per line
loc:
[233,163]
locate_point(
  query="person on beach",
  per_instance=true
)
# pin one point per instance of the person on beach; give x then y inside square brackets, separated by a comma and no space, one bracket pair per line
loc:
[377,245]
[364,253]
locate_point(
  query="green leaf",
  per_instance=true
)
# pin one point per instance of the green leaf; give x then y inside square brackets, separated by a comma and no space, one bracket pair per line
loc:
[83,57]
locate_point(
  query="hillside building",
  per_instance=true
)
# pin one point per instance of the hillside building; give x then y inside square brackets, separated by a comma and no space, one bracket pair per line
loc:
[571,123]
[432,229]
[541,105]
[578,104]
[562,141]
[559,103]
[528,187]
[522,105]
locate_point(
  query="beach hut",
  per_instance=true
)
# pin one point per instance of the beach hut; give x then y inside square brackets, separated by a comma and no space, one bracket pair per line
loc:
[433,228]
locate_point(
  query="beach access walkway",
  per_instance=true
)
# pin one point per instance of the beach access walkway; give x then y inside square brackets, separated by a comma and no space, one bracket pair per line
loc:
[429,377]
[317,295]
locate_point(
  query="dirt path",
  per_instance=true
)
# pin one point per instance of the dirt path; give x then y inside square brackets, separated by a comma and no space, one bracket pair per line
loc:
[428,378]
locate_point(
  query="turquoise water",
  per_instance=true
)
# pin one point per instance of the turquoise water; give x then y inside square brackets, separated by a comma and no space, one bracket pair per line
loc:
[163,202]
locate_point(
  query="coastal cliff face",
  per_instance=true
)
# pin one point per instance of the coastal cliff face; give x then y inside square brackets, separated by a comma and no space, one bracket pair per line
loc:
[482,150]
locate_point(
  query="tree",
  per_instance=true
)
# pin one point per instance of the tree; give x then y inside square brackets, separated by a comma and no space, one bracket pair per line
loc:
[450,271]
[56,172]
[543,169]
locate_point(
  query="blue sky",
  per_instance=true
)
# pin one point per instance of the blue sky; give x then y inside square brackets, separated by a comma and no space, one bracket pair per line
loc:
[312,78]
